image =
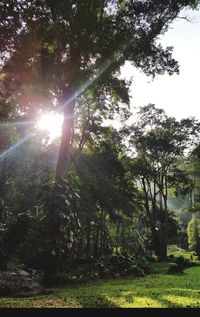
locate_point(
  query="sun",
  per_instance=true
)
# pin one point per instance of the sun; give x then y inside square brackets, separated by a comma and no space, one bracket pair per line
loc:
[52,123]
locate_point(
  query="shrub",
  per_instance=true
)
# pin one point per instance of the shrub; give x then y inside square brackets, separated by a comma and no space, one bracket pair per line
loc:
[121,265]
[13,232]
[152,259]
[3,251]
[37,250]
[185,262]
[170,258]
[53,236]
[175,269]
[143,263]
[181,260]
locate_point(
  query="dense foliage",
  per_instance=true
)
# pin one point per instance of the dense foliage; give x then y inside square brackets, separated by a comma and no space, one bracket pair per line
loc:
[96,195]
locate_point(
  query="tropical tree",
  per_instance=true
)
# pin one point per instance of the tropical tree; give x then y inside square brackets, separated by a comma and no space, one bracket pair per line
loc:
[53,51]
[66,56]
[159,141]
[193,231]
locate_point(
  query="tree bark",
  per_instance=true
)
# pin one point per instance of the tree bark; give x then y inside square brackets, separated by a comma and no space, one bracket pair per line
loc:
[66,136]
[96,242]
[88,239]
[165,234]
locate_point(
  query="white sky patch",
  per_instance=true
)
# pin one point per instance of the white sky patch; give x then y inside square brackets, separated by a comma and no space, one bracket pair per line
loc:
[178,95]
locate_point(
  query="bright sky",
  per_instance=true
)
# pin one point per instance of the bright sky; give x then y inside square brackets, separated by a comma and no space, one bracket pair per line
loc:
[178,95]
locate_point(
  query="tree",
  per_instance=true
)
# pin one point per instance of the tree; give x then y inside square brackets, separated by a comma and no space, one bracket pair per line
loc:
[193,231]
[66,56]
[108,193]
[53,51]
[159,141]
[193,169]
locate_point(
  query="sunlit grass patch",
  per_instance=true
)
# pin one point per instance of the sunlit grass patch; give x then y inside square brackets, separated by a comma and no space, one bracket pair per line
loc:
[182,301]
[153,291]
[177,251]
[131,301]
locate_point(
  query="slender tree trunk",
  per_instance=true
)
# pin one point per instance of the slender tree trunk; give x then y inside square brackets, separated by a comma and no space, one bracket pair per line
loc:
[165,237]
[96,243]
[123,235]
[152,215]
[3,178]
[66,137]
[104,235]
[88,240]
[155,235]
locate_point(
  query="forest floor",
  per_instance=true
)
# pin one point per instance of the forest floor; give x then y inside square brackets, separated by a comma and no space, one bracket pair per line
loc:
[154,291]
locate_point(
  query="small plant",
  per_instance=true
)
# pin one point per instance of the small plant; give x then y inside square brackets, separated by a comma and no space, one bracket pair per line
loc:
[175,269]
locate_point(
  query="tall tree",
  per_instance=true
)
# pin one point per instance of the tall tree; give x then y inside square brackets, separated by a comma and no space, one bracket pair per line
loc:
[193,231]
[158,142]
[52,51]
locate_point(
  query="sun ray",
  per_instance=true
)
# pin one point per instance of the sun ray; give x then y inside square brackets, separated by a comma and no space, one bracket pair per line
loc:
[15,123]
[15,146]
[115,57]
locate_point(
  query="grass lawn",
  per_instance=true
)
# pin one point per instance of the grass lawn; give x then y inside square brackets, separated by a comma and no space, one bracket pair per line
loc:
[176,251]
[155,290]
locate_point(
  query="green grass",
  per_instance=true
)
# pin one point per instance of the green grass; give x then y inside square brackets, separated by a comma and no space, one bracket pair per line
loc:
[155,290]
[176,251]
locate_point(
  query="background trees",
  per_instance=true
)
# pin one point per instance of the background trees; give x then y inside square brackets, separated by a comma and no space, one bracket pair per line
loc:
[193,231]
[52,52]
[159,142]
[66,56]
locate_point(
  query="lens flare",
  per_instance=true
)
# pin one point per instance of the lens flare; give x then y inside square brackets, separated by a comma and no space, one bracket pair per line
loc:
[52,123]
[15,123]
[15,146]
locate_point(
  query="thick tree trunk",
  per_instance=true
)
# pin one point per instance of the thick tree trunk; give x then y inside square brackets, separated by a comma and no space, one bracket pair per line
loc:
[66,137]
[62,161]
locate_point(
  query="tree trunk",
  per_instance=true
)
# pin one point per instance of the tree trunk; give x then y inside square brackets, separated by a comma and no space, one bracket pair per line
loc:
[3,178]
[165,233]
[66,137]
[62,161]
[96,242]
[156,240]
[164,226]
[123,235]
[88,239]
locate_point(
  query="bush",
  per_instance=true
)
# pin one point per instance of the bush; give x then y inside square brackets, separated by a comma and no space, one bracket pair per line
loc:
[152,259]
[144,264]
[170,258]
[185,262]
[52,238]
[121,265]
[181,261]
[13,232]
[3,252]
[37,251]
[175,269]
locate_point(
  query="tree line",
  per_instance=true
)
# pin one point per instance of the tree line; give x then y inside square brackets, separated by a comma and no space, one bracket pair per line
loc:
[99,190]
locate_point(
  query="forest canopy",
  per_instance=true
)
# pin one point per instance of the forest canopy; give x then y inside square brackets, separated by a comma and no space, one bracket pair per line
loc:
[95,191]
